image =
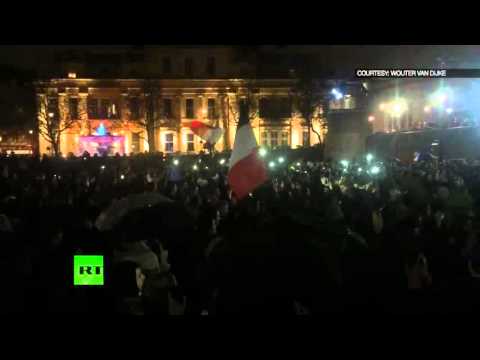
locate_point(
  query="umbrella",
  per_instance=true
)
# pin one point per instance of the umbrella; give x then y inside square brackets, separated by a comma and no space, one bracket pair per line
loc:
[120,208]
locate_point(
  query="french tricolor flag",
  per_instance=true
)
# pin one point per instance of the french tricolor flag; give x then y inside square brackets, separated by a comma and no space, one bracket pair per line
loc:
[247,171]
[208,133]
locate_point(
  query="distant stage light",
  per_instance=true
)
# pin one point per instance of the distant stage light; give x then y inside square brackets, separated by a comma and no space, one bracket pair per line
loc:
[344,163]
[102,167]
[122,177]
[222,161]
[360,170]
[449,110]
[371,118]
[175,162]
[262,152]
[374,170]
[206,167]
[439,97]
[298,164]
[271,164]
[369,157]
[281,159]
[195,167]
[338,95]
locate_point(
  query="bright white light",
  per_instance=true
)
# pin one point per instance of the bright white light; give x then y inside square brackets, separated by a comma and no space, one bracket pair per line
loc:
[271,164]
[338,95]
[102,167]
[371,118]
[298,164]
[344,163]
[397,107]
[206,167]
[122,177]
[175,162]
[382,106]
[375,170]
[360,170]
[262,152]
[222,161]
[195,167]
[369,157]
[449,110]
[427,109]
[30,132]
[439,97]
[281,159]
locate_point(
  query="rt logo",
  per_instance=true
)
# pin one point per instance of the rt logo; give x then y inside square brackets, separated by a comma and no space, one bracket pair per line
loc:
[87,270]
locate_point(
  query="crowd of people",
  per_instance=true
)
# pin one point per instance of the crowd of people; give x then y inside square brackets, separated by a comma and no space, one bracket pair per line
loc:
[318,236]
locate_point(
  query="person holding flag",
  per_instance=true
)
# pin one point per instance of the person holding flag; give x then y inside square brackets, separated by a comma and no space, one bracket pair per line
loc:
[247,170]
[208,133]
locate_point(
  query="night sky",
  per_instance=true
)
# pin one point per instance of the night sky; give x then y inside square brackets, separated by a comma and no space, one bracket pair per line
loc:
[343,56]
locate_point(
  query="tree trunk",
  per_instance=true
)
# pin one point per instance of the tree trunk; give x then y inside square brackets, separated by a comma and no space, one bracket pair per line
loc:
[226,125]
[151,137]
[150,118]
[56,147]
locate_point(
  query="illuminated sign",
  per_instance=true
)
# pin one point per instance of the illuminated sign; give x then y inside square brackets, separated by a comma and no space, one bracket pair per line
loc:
[88,270]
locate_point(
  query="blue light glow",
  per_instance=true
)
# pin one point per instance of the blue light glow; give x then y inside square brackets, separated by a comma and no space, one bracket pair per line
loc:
[101,131]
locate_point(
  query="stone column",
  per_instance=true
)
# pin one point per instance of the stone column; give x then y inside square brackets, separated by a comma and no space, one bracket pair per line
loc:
[63,114]
[85,128]
[199,104]
[179,106]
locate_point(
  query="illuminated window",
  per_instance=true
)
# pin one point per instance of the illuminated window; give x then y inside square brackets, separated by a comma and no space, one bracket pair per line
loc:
[134,108]
[285,141]
[274,138]
[345,103]
[190,143]
[73,108]
[264,138]
[306,137]
[136,142]
[52,107]
[211,109]
[275,108]
[167,108]
[169,143]
[102,109]
[189,109]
